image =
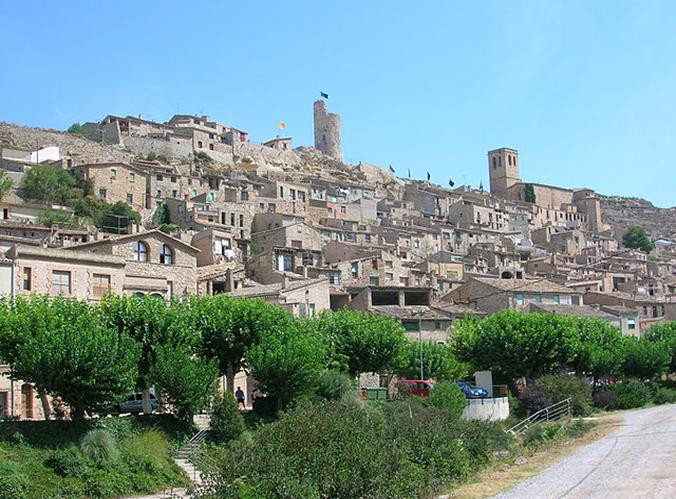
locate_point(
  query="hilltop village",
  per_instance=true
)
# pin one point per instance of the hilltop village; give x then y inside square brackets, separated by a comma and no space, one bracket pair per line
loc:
[208,211]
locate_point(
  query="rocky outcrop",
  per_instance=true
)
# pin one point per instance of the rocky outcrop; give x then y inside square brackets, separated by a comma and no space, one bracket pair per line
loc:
[621,213]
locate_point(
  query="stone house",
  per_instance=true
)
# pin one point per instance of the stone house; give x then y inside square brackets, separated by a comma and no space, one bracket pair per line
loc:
[651,309]
[623,318]
[277,263]
[155,263]
[492,295]
[266,221]
[199,214]
[75,273]
[369,268]
[216,246]
[298,235]
[116,182]
[303,297]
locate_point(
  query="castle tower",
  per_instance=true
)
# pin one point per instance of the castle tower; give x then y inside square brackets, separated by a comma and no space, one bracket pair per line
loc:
[503,170]
[327,131]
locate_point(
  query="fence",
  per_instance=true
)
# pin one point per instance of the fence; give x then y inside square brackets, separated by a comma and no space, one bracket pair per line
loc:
[555,412]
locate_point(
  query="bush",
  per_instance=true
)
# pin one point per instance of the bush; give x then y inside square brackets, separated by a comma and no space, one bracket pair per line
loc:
[606,399]
[69,462]
[334,384]
[531,401]
[448,397]
[226,420]
[99,446]
[541,433]
[631,394]
[13,481]
[561,387]
[664,395]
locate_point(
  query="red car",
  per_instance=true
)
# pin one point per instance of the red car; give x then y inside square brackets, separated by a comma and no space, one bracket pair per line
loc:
[419,387]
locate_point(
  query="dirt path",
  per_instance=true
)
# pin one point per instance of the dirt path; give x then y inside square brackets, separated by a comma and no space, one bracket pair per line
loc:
[637,460]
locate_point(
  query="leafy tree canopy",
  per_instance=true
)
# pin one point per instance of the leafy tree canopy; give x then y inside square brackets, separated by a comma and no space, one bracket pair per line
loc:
[49,184]
[636,237]
[5,184]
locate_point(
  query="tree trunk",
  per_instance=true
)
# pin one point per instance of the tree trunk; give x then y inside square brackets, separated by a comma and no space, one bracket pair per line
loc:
[230,378]
[45,407]
[147,408]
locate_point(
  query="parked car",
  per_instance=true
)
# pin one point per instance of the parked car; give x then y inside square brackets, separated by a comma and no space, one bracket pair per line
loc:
[471,391]
[418,387]
[134,403]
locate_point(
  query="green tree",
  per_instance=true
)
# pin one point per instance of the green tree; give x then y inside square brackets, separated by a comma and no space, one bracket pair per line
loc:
[369,342]
[514,344]
[161,215]
[5,184]
[148,321]
[636,237]
[448,397]
[60,346]
[226,421]
[645,359]
[62,218]
[667,334]
[49,184]
[76,129]
[287,363]
[529,193]
[597,347]
[439,362]
[186,379]
[229,326]
[116,217]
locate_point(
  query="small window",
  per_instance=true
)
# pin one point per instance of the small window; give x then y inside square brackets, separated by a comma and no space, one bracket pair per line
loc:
[334,278]
[103,193]
[166,255]
[27,279]
[241,220]
[194,192]
[537,298]
[343,210]
[575,300]
[199,144]
[518,298]
[173,179]
[355,269]
[374,280]
[100,285]
[130,198]
[139,251]
[174,193]
[631,323]
[113,173]
[557,299]
[61,282]
[160,178]
[132,178]
[211,147]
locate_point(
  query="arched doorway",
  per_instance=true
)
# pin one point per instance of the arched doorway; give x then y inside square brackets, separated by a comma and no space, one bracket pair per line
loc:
[27,401]
[507,275]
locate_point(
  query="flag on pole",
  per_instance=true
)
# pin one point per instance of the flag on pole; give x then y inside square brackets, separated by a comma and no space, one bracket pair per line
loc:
[409,173]
[481,185]
[451,183]
[324,94]
[282,125]
[428,176]
[391,169]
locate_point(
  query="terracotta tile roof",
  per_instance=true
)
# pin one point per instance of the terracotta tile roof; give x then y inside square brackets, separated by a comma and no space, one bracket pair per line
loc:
[526,285]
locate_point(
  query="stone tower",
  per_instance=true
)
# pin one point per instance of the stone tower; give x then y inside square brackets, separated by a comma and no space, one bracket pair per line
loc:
[503,170]
[327,131]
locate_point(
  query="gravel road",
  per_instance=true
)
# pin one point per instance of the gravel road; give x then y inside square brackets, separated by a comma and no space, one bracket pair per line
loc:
[636,461]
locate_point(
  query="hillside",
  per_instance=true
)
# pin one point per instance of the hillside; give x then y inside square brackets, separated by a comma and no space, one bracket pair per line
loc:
[621,212]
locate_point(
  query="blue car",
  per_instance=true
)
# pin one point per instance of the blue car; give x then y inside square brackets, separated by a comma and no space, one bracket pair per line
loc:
[471,391]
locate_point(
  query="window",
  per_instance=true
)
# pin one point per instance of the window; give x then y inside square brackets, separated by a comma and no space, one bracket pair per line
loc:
[411,325]
[232,219]
[27,279]
[631,323]
[307,259]
[166,255]
[557,299]
[140,251]
[374,280]
[388,264]
[334,278]
[244,196]
[241,220]
[113,174]
[343,210]
[160,178]
[212,196]
[199,144]
[130,198]
[437,325]
[100,285]
[537,298]
[330,210]
[194,192]
[374,264]
[389,277]
[174,193]
[355,269]
[575,300]
[284,262]
[292,192]
[103,193]
[518,298]
[173,179]
[211,147]
[61,282]
[132,178]
[281,191]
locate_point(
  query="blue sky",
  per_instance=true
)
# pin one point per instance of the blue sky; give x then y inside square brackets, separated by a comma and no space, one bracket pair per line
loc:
[586,91]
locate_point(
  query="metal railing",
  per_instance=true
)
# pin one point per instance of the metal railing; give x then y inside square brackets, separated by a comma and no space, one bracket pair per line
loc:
[555,412]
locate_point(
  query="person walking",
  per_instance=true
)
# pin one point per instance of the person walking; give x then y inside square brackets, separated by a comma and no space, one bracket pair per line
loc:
[239,395]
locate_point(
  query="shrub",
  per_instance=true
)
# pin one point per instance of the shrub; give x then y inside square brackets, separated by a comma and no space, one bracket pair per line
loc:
[69,462]
[226,420]
[13,481]
[541,433]
[99,446]
[606,399]
[664,395]
[483,438]
[561,387]
[334,384]
[448,397]
[531,401]
[631,394]
[403,391]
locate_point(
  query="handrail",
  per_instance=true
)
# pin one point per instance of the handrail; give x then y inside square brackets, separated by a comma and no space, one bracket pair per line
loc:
[552,412]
